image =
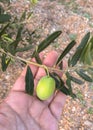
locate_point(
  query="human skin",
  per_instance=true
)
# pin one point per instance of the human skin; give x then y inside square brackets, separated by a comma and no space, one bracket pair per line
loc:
[20,111]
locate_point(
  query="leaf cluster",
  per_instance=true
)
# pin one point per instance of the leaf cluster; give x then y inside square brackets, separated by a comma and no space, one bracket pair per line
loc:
[14,37]
[80,63]
[77,63]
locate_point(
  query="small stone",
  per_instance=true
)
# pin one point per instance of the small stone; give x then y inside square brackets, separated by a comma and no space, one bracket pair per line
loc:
[73,109]
[88,123]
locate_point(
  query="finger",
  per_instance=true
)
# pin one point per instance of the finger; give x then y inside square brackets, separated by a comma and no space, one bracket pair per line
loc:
[48,61]
[57,104]
[20,82]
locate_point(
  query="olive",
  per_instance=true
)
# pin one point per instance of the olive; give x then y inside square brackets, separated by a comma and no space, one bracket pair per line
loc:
[45,87]
[34,1]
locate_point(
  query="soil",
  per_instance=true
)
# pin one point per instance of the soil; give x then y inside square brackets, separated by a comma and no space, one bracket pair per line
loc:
[75,19]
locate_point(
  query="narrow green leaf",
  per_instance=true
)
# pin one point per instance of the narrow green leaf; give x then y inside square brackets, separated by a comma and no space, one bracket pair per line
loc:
[3,45]
[84,76]
[84,41]
[12,46]
[19,32]
[63,88]
[29,80]
[26,48]
[30,15]
[60,85]
[4,18]
[5,62]
[79,49]
[91,41]
[74,79]
[68,83]
[75,58]
[45,43]
[3,58]
[37,57]
[90,72]
[48,40]
[69,61]
[1,9]
[4,29]
[92,54]
[66,50]
[6,38]
[88,57]
[23,17]
[82,57]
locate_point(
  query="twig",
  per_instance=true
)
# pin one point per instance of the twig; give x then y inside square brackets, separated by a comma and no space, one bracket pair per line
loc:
[69,69]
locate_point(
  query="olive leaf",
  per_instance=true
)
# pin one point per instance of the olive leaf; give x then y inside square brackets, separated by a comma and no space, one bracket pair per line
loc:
[12,46]
[84,76]
[23,16]
[4,18]
[68,83]
[77,54]
[60,85]
[37,58]
[4,29]
[6,38]
[29,80]
[5,62]
[74,79]
[91,41]
[19,32]
[90,72]
[66,50]
[86,56]
[46,42]
[1,9]
[25,48]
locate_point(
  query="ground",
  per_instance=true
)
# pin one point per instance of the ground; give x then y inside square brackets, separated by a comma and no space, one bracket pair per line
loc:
[74,18]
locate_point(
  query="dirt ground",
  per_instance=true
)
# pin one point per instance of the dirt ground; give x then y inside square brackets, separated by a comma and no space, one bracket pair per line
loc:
[74,18]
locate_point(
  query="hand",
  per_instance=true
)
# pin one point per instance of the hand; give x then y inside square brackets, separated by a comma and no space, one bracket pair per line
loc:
[20,111]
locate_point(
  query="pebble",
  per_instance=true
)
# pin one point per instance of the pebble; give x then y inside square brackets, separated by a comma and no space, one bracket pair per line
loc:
[88,123]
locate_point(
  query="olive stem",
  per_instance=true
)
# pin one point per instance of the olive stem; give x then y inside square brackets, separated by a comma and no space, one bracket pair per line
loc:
[30,62]
[46,68]
[69,69]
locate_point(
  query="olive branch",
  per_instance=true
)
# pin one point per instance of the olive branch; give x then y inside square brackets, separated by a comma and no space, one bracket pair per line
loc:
[80,63]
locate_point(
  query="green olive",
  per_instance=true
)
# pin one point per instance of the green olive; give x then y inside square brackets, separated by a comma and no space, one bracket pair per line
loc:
[45,88]
[34,1]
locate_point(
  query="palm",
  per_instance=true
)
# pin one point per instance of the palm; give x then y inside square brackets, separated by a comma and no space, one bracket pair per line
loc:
[28,112]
